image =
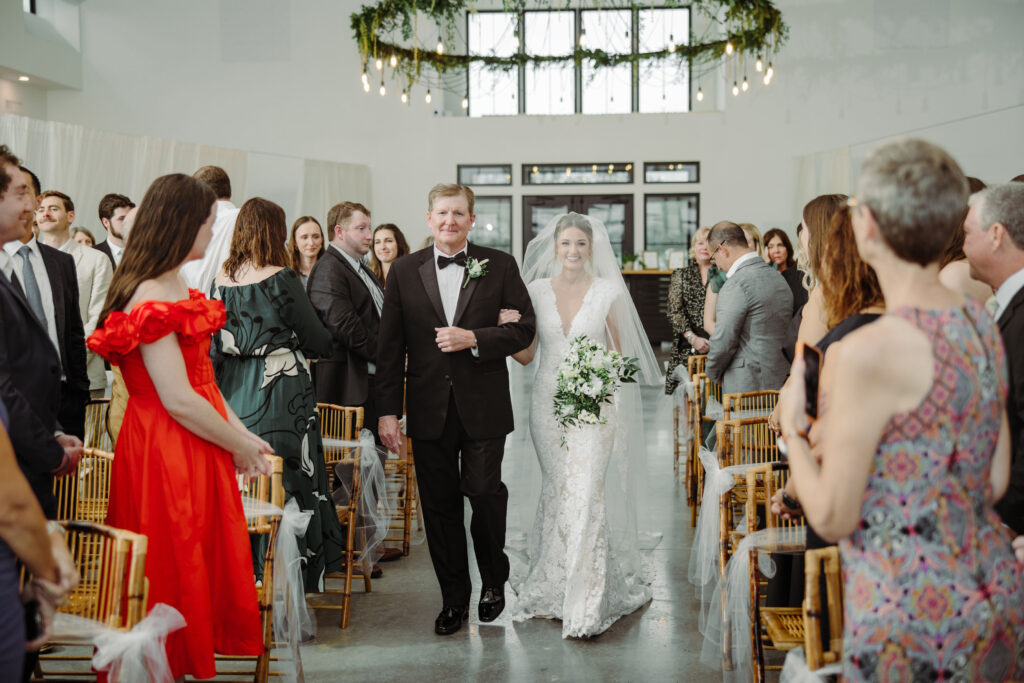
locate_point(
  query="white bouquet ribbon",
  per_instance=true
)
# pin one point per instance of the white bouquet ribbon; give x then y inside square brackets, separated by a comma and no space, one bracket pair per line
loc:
[795,670]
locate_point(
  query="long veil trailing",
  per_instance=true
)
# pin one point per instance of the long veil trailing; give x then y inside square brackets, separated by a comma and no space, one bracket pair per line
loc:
[626,482]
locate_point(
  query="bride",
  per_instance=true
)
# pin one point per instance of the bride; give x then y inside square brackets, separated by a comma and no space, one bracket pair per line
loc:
[585,566]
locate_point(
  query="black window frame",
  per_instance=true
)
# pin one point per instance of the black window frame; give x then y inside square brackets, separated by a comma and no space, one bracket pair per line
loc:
[458,174]
[670,182]
[628,167]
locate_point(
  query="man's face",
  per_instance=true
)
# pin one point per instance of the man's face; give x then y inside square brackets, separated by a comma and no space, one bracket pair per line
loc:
[52,217]
[357,236]
[114,225]
[977,244]
[450,222]
[15,205]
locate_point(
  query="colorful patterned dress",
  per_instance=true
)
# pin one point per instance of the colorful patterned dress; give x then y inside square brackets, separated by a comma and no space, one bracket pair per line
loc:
[932,588]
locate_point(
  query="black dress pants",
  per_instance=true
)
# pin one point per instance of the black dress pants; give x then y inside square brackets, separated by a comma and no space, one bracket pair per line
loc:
[447,469]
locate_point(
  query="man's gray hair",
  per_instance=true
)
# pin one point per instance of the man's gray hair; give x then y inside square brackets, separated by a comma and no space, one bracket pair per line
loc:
[1002,204]
[917,194]
[725,232]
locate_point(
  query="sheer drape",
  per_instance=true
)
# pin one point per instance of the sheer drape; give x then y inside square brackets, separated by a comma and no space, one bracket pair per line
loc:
[823,173]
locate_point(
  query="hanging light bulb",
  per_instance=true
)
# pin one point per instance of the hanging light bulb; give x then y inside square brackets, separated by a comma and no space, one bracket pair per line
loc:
[383,90]
[759,65]
[735,88]
[745,85]
[728,47]
[428,97]
[405,97]
[393,61]
[700,95]
[465,102]
[366,86]
[671,43]
[770,72]
[365,77]
[440,47]
[378,63]
[583,36]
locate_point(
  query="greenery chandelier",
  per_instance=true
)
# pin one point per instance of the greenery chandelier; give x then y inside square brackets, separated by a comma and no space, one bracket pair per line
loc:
[388,34]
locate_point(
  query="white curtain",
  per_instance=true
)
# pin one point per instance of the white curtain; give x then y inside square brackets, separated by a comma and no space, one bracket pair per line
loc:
[325,183]
[820,173]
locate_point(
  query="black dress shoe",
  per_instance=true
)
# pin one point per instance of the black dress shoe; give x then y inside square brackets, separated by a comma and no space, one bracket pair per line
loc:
[450,619]
[492,602]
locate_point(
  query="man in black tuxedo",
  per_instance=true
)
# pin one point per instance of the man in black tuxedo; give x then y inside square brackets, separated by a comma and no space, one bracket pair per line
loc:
[441,308]
[347,298]
[113,210]
[994,245]
[29,367]
[51,289]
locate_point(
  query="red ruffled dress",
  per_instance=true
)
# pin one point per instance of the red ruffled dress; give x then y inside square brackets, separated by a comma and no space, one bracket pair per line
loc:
[181,490]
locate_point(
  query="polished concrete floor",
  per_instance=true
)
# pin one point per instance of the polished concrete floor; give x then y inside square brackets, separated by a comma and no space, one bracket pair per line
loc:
[391,635]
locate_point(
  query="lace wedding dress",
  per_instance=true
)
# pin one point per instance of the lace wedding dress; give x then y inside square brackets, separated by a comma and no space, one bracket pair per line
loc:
[577,571]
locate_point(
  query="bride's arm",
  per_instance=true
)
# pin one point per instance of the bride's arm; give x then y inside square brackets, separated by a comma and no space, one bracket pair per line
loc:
[525,357]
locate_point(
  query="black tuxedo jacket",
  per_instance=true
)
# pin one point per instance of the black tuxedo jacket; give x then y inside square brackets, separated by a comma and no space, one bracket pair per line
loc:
[105,248]
[60,269]
[413,308]
[30,388]
[1011,327]
[345,307]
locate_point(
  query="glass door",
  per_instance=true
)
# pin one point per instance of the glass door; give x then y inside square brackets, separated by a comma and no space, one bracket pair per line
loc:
[615,211]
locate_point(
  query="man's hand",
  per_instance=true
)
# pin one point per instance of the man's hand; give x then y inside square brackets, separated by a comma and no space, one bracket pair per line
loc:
[452,339]
[390,432]
[72,446]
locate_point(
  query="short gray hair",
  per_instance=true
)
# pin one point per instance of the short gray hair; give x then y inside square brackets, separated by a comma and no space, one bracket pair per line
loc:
[917,194]
[1003,204]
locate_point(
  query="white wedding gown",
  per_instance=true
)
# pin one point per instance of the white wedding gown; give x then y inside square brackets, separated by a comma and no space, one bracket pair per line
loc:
[575,572]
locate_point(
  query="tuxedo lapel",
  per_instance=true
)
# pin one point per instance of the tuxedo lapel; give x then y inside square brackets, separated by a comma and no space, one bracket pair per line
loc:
[20,297]
[1017,300]
[428,275]
[465,292]
[56,289]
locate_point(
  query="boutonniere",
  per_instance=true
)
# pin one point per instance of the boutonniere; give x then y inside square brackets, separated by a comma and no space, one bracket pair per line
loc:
[475,269]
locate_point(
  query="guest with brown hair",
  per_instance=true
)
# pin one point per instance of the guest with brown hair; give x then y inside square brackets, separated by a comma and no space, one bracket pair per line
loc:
[779,251]
[265,376]
[305,246]
[388,244]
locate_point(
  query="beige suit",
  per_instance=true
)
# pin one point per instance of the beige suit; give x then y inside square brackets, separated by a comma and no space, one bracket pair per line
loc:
[94,274]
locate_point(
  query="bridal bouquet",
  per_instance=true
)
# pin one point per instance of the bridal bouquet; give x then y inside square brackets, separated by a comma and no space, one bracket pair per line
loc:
[589,375]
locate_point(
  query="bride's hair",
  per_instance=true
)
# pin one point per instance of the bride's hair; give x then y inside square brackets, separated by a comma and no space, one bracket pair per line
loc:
[574,220]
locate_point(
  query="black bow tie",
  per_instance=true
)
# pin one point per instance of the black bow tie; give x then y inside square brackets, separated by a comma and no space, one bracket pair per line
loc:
[445,261]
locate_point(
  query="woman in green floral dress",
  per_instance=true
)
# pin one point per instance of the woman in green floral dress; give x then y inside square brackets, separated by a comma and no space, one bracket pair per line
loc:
[264,375]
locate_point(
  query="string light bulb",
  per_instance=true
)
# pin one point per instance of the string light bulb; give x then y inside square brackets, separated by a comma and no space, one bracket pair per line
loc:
[700,95]
[759,65]
[365,77]
[745,85]
[671,43]
[728,47]
[383,90]
[465,102]
[770,73]
[393,61]
[583,36]
[366,86]
[405,97]
[378,63]
[735,88]
[440,47]
[428,97]
[767,80]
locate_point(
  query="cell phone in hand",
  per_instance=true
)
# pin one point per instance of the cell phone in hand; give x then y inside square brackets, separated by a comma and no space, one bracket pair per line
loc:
[812,371]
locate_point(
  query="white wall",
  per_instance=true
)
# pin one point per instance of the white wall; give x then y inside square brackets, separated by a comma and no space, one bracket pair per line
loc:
[283,79]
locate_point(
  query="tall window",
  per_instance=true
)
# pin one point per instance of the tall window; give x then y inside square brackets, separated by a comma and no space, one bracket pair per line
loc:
[566,88]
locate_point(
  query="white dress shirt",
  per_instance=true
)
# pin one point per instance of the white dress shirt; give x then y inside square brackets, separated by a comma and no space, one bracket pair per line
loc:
[449,281]
[35,258]
[1007,291]
[371,284]
[199,274]
[115,251]
[6,265]
[741,260]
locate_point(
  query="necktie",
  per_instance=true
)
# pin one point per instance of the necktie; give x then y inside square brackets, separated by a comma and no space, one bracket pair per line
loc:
[445,261]
[32,294]
[371,283]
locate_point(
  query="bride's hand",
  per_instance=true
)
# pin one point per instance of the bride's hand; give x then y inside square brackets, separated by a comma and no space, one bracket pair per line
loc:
[508,315]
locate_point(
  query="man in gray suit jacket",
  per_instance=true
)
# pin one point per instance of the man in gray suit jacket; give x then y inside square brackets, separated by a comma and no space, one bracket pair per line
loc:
[751,319]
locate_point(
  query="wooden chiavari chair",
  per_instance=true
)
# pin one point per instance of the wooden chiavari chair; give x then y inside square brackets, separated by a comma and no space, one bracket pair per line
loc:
[343,423]
[83,495]
[703,390]
[815,561]
[96,434]
[749,404]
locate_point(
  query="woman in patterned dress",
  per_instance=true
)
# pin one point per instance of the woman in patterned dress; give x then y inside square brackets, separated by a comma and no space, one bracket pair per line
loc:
[686,307]
[915,448]
[265,377]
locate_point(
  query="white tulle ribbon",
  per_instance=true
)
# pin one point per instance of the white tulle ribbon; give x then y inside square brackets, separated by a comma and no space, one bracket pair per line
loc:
[713,409]
[728,618]
[292,622]
[135,655]
[704,569]
[795,670]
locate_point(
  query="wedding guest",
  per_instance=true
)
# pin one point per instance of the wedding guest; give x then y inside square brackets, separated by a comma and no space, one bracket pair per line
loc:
[914,447]
[753,236]
[388,244]
[686,307]
[181,447]
[270,327]
[199,273]
[305,246]
[54,215]
[955,272]
[83,237]
[779,251]
[113,210]
[994,244]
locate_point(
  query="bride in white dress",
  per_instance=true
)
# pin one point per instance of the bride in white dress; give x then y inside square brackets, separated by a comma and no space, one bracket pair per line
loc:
[585,564]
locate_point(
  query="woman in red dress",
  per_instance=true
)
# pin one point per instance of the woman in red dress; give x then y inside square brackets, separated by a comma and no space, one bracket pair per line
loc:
[180,446]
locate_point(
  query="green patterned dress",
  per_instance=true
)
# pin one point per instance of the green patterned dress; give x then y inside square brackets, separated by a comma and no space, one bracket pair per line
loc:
[265,378]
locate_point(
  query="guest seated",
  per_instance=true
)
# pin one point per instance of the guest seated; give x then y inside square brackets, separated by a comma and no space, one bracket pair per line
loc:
[305,246]
[388,244]
[686,307]
[914,447]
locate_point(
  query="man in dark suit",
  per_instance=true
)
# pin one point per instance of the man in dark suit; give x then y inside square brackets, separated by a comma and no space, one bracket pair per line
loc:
[29,367]
[348,298]
[113,209]
[994,246]
[51,286]
[441,308]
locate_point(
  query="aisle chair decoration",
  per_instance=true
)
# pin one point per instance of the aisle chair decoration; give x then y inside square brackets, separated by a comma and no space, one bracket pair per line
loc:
[682,398]
[814,662]
[695,365]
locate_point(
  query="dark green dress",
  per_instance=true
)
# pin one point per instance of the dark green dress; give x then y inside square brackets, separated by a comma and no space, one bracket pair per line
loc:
[265,378]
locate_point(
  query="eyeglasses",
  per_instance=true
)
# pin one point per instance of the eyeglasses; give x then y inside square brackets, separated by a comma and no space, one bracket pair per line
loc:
[715,252]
